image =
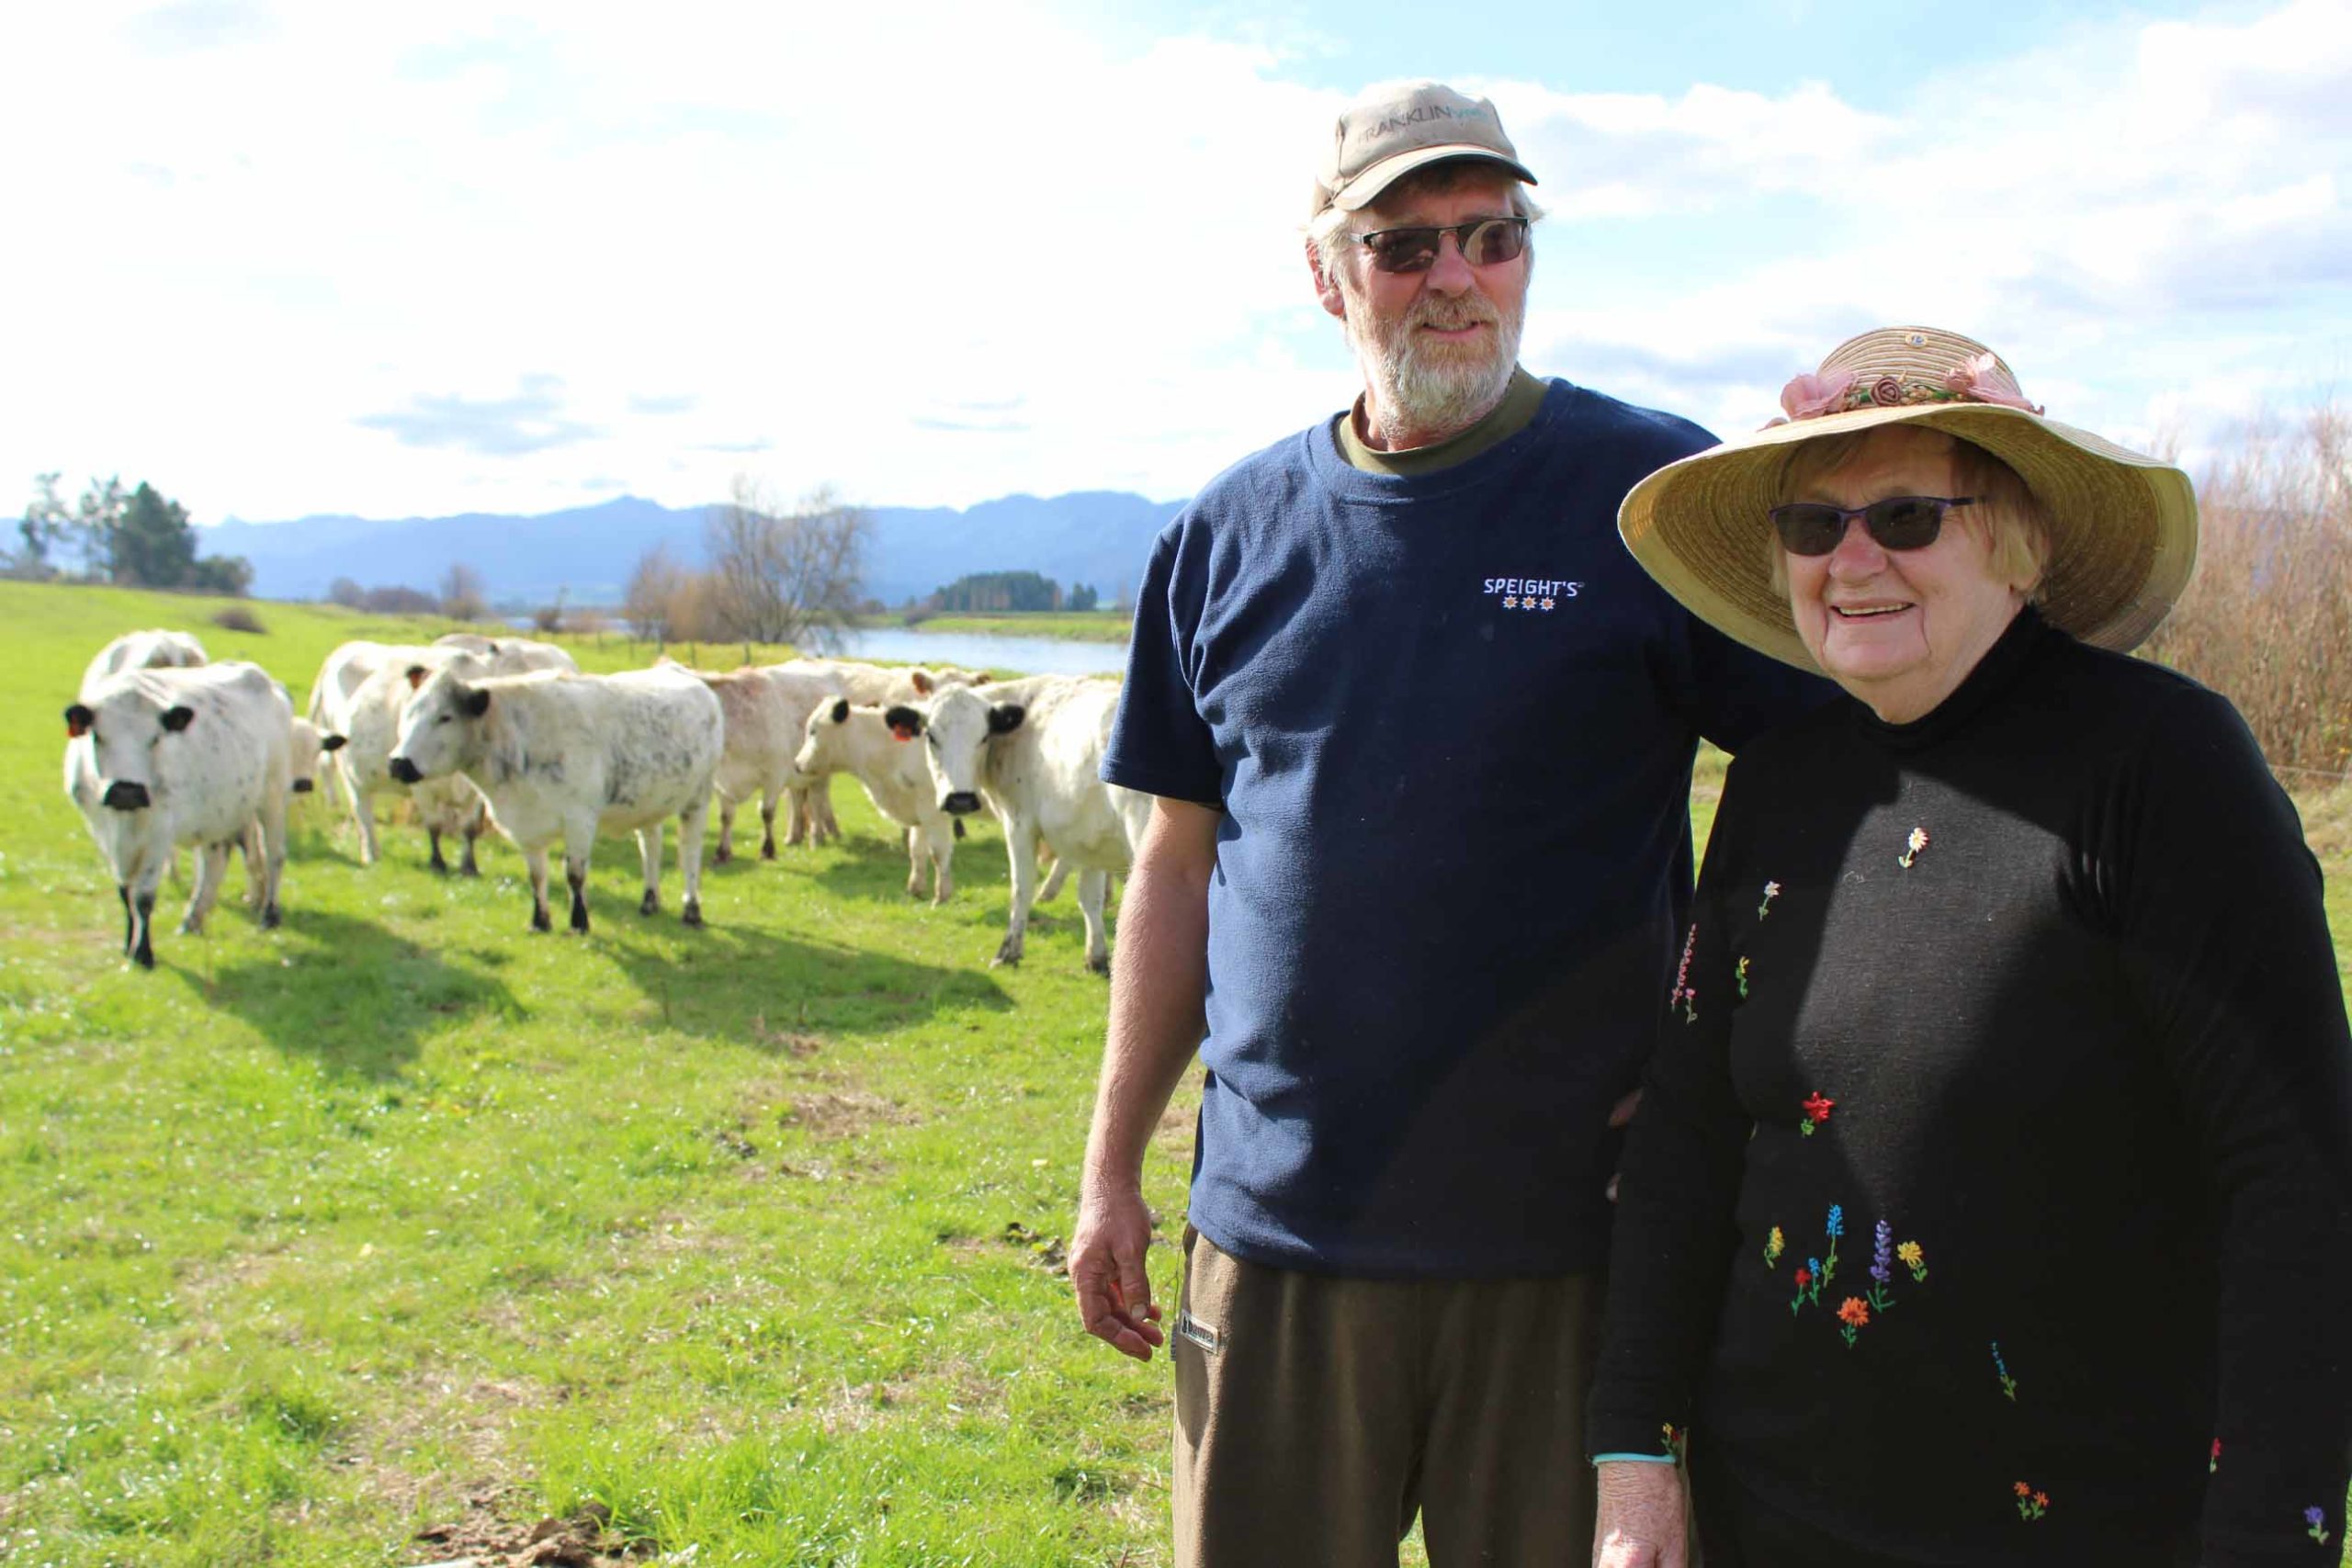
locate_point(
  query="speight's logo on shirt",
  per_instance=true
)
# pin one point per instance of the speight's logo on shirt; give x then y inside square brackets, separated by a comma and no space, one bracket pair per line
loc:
[1531,593]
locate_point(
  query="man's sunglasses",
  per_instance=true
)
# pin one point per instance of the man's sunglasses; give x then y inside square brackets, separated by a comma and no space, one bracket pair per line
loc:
[1898,523]
[1484,243]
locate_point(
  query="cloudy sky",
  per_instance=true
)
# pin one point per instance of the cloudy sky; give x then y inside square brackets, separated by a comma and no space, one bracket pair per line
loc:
[453,255]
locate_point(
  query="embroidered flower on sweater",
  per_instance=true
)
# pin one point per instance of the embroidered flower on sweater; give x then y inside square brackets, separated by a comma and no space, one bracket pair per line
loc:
[2315,1519]
[1740,974]
[2214,1462]
[1771,891]
[1837,1227]
[1855,1314]
[1682,996]
[1882,1265]
[1912,846]
[2009,1384]
[2032,1504]
[1818,1107]
[1913,1259]
[1808,1282]
[1773,1246]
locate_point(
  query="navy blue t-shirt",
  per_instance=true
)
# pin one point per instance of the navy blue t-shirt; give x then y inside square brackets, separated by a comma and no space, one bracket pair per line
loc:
[1450,722]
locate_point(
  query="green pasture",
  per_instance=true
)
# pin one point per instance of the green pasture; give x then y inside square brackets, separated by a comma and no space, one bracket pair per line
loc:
[399,1233]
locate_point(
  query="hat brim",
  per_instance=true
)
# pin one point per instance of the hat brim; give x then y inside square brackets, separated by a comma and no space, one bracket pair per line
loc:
[2122,525]
[1364,189]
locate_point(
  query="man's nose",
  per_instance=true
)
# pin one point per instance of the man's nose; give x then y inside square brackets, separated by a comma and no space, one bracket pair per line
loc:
[1452,272]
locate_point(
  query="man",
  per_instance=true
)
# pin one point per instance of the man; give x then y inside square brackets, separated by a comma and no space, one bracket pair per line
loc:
[1420,733]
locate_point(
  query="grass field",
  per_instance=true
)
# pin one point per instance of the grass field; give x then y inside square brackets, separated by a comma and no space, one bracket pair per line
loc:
[383,1238]
[1066,626]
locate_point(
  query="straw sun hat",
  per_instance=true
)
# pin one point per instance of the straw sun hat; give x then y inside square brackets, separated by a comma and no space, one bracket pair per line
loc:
[2122,527]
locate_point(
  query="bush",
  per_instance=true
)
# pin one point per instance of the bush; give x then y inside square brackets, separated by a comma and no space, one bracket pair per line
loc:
[2267,622]
[238,618]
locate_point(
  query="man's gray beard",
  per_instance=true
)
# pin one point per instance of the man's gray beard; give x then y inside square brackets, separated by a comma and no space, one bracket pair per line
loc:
[1424,385]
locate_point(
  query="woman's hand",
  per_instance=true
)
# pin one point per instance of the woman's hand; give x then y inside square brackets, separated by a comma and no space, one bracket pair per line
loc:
[1643,1517]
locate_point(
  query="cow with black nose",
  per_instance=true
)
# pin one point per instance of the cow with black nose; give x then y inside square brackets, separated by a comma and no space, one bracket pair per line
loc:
[562,756]
[1031,751]
[157,758]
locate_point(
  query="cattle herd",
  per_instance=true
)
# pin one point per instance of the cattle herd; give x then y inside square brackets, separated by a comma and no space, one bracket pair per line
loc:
[165,749]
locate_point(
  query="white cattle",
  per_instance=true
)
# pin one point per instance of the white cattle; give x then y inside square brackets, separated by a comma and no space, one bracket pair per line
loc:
[1033,747]
[510,655]
[157,649]
[375,682]
[157,758]
[767,710]
[865,685]
[843,737]
[566,756]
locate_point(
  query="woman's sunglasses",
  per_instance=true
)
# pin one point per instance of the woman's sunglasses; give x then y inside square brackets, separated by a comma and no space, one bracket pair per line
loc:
[1484,244]
[1898,523]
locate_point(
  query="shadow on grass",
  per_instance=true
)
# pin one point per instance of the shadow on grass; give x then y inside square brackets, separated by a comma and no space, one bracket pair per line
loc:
[354,995]
[751,987]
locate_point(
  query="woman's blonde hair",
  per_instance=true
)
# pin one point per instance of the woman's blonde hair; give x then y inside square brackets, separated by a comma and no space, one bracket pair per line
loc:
[2006,514]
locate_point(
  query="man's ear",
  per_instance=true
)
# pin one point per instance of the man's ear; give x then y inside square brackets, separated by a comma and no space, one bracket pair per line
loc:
[1326,287]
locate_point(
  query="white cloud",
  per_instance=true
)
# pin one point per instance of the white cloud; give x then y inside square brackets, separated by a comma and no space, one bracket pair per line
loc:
[449,256]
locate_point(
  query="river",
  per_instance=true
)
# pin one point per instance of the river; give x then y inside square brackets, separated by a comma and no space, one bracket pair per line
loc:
[985,650]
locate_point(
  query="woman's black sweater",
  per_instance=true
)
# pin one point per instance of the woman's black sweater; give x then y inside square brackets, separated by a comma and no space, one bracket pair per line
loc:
[1990,1199]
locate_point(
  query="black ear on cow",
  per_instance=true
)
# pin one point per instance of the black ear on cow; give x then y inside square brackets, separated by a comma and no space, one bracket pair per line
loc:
[493,651]
[475,703]
[334,743]
[924,685]
[78,720]
[1005,718]
[416,674]
[840,710]
[906,723]
[178,718]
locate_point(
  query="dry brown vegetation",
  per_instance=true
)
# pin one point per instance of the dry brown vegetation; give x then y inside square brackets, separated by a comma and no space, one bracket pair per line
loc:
[2267,622]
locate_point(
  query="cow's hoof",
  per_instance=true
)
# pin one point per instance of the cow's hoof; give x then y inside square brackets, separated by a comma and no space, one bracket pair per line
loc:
[767,849]
[438,866]
[721,855]
[1100,965]
[191,928]
[691,914]
[539,921]
[270,917]
[145,958]
[470,868]
[651,903]
[1007,957]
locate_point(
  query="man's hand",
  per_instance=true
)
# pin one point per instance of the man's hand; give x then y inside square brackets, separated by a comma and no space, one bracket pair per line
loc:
[1643,1520]
[1622,1114]
[1106,1266]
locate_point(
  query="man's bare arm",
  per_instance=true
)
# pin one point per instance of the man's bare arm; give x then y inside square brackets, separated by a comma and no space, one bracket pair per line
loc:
[1158,979]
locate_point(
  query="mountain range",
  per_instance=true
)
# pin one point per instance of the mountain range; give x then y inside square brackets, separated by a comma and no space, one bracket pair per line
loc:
[1093,536]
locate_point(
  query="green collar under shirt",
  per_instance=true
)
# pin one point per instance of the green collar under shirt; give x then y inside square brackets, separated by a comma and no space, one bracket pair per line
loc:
[1505,420]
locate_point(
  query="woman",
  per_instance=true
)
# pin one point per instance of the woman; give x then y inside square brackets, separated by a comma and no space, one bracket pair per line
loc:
[1988,1199]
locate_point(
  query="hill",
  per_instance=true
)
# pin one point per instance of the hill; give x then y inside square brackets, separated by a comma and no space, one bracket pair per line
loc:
[1096,537]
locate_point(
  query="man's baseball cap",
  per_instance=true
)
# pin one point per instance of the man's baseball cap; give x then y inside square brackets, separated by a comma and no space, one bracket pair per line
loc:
[1392,129]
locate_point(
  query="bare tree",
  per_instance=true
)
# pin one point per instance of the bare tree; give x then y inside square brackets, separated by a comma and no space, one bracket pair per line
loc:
[784,576]
[464,595]
[650,600]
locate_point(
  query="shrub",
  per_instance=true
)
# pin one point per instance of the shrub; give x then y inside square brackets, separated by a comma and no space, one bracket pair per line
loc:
[238,618]
[2267,622]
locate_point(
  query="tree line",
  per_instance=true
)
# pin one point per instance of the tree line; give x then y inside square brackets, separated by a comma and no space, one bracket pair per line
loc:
[987,593]
[136,538]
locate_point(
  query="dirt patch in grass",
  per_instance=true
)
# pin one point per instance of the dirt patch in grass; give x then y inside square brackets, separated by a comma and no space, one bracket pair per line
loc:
[843,1114]
[586,1539]
[794,1043]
